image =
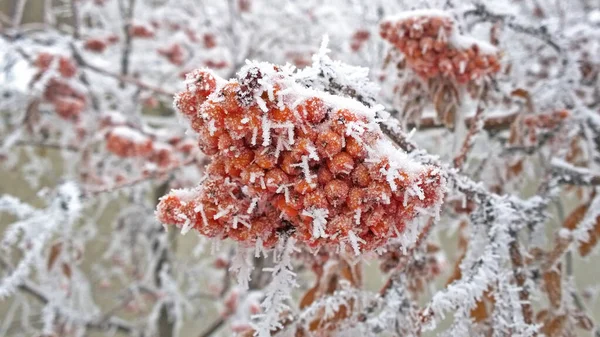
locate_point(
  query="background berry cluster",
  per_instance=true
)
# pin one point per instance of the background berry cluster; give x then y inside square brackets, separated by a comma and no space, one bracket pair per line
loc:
[433,47]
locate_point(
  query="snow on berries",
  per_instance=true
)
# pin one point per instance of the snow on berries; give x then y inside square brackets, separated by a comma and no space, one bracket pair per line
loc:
[95,45]
[290,159]
[175,53]
[127,142]
[433,46]
[68,102]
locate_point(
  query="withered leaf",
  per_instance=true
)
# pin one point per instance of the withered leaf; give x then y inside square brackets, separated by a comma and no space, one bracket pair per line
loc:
[55,250]
[584,321]
[309,297]
[554,325]
[480,312]
[552,284]
[576,216]
[585,248]
[66,269]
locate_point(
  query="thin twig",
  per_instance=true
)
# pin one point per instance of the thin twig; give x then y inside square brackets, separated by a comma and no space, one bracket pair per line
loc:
[213,327]
[76,19]
[104,324]
[18,11]
[54,146]
[127,79]
[133,182]
[520,276]
[510,21]
[474,129]
[125,56]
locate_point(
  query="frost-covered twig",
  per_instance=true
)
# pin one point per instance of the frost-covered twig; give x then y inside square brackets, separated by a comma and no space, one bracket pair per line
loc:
[565,173]
[127,17]
[542,140]
[103,324]
[476,126]
[54,146]
[481,11]
[160,174]
[32,233]
[491,124]
[123,78]
[520,276]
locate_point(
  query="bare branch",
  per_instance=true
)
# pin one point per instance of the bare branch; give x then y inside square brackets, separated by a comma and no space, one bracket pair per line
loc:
[541,32]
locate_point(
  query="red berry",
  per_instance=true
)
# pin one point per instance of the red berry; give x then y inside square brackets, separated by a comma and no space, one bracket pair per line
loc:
[336,192]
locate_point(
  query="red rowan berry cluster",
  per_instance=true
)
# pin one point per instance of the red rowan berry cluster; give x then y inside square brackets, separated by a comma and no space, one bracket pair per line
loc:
[98,44]
[216,64]
[209,40]
[433,46]
[290,159]
[359,38]
[244,5]
[175,53]
[95,45]
[125,141]
[141,31]
[67,102]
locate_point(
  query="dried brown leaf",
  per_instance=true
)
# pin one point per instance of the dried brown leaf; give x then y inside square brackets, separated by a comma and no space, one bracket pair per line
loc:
[554,326]
[584,321]
[585,248]
[522,93]
[480,312]
[483,307]
[515,136]
[66,269]
[553,286]
[514,170]
[456,274]
[310,296]
[542,316]
[576,216]
[55,251]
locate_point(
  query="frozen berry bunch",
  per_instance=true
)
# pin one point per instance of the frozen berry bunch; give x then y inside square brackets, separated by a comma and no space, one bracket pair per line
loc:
[126,142]
[359,38]
[157,150]
[99,44]
[287,159]
[175,54]
[68,102]
[433,47]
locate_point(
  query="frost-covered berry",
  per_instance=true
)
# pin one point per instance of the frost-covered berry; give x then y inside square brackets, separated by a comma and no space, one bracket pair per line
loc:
[341,164]
[336,192]
[329,143]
